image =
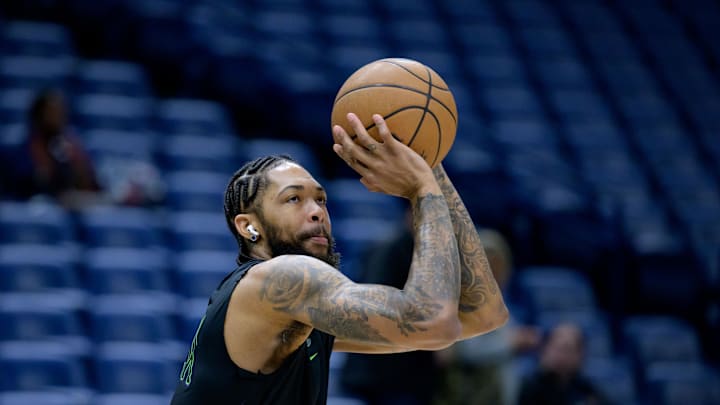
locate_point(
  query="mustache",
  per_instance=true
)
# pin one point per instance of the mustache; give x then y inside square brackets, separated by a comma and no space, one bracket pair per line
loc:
[318,231]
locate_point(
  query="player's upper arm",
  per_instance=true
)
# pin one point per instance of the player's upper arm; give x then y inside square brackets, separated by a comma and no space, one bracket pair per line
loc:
[314,293]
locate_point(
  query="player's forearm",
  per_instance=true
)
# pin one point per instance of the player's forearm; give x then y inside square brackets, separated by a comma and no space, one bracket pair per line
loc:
[481,307]
[434,278]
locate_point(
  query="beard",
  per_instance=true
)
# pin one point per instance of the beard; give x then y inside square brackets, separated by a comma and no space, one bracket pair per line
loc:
[279,246]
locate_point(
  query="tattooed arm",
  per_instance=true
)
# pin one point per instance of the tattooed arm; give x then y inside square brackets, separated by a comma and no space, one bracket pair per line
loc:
[481,308]
[370,317]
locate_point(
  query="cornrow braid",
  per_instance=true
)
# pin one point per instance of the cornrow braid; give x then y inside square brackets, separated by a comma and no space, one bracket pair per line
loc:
[244,188]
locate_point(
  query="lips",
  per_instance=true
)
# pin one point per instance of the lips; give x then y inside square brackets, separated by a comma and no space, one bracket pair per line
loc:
[319,239]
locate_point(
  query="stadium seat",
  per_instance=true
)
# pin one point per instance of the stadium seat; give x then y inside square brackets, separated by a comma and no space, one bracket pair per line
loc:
[348,198]
[143,317]
[594,324]
[107,111]
[14,105]
[198,230]
[34,72]
[297,150]
[106,226]
[131,399]
[134,368]
[51,396]
[196,190]
[111,77]
[201,153]
[114,270]
[614,378]
[33,366]
[36,39]
[199,272]
[354,236]
[549,288]
[669,383]
[35,223]
[645,340]
[38,268]
[192,117]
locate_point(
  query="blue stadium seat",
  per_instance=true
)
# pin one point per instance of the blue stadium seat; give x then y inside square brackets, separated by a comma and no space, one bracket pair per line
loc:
[646,340]
[562,73]
[29,366]
[106,226]
[47,397]
[348,198]
[355,236]
[343,28]
[299,151]
[110,143]
[192,117]
[578,105]
[496,68]
[36,39]
[14,105]
[530,13]
[669,383]
[38,268]
[614,378]
[423,33]
[37,324]
[192,230]
[35,223]
[126,270]
[196,190]
[131,399]
[107,111]
[199,272]
[137,368]
[509,101]
[146,317]
[393,9]
[545,42]
[111,77]
[550,288]
[594,324]
[200,152]
[481,37]
[34,72]
[461,11]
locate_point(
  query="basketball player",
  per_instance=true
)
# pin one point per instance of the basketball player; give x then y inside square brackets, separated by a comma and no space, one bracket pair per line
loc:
[271,325]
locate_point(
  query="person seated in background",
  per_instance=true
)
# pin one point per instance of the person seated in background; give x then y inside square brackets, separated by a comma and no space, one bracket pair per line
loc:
[480,370]
[558,379]
[58,165]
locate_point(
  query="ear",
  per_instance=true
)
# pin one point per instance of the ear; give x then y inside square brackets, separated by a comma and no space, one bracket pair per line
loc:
[242,221]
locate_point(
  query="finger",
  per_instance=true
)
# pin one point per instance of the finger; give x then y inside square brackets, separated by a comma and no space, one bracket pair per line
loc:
[369,185]
[363,138]
[385,135]
[349,159]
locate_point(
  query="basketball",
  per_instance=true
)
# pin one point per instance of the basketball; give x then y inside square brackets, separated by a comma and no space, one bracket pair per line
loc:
[414,100]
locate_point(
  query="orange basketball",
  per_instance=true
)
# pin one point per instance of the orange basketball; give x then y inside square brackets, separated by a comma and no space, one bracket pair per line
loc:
[414,100]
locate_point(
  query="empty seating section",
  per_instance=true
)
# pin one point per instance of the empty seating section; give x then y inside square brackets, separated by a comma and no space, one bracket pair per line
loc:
[588,135]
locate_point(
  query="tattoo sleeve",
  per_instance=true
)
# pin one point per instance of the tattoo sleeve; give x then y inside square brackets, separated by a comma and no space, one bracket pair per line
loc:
[478,285]
[314,292]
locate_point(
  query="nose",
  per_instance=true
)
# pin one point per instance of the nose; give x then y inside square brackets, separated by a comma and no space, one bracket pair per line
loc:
[316,212]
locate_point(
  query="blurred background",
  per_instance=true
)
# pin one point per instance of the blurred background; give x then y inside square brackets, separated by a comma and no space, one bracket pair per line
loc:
[589,137]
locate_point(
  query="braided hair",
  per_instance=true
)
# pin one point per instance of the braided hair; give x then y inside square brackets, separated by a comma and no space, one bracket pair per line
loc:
[244,189]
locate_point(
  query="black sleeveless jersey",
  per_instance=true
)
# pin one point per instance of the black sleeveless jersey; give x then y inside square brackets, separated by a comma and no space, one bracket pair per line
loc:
[209,376]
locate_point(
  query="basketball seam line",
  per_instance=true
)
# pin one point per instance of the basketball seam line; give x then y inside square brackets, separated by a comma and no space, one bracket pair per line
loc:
[399,110]
[416,75]
[395,86]
[428,97]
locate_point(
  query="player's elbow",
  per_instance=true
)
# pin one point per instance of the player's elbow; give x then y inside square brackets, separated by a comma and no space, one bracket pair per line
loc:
[445,330]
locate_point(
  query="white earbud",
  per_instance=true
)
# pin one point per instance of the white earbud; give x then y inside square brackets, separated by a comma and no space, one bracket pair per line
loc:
[254,235]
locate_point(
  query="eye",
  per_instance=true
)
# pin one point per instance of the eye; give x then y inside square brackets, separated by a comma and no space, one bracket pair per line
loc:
[293,199]
[321,200]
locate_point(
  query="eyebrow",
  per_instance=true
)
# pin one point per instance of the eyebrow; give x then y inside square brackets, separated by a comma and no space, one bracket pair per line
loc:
[298,187]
